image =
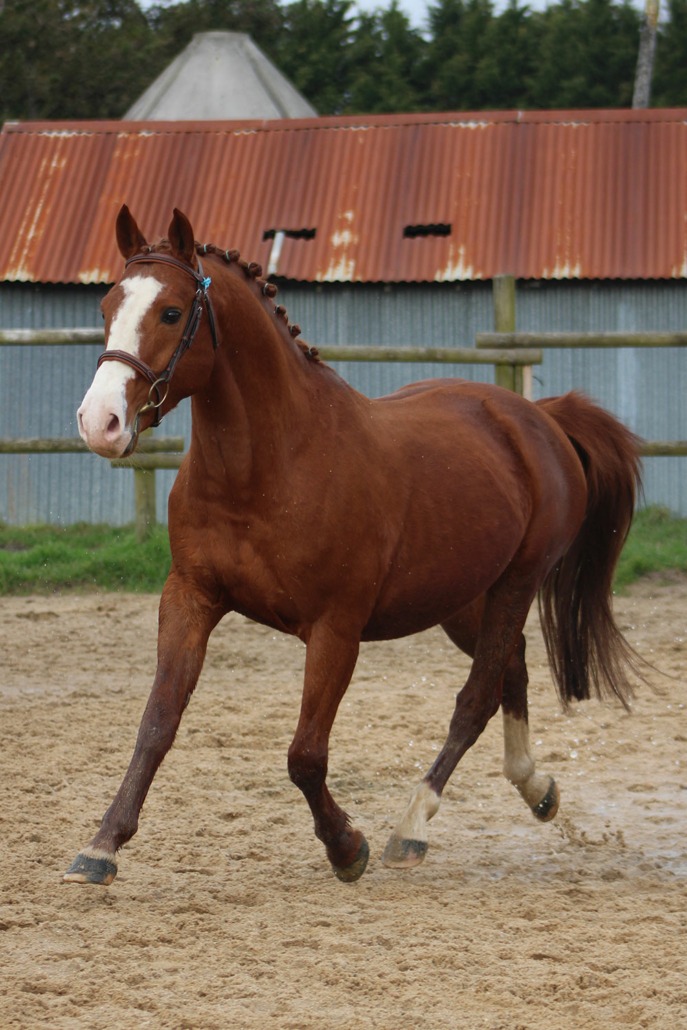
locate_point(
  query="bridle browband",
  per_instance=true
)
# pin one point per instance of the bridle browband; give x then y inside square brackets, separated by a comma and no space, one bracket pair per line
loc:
[159,381]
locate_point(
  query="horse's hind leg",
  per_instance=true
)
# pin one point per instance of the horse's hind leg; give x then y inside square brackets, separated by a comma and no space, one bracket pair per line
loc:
[538,790]
[185,625]
[475,705]
[498,674]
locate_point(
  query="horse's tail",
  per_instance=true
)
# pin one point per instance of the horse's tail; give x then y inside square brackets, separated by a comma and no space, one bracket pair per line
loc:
[586,650]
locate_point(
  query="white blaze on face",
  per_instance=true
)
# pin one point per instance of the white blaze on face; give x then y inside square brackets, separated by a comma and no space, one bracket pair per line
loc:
[102,415]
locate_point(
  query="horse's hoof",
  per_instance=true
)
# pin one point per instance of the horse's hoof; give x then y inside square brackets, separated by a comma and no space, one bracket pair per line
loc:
[96,867]
[546,809]
[353,872]
[401,853]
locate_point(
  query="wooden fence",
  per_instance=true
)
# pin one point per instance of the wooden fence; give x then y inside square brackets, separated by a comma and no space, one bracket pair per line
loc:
[506,338]
[154,452]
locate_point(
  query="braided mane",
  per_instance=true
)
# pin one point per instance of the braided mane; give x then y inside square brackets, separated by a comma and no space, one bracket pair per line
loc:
[253,272]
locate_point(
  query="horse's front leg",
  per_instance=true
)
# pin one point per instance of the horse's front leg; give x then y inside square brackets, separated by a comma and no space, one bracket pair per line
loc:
[330,660]
[186,622]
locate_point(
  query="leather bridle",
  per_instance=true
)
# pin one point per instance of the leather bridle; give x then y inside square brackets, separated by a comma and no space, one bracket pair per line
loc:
[159,381]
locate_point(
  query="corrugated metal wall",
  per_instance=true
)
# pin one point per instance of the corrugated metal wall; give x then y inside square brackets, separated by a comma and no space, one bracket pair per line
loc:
[41,387]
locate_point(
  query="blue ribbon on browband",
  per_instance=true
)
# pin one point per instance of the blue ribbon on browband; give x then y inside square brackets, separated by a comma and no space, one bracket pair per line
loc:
[205,283]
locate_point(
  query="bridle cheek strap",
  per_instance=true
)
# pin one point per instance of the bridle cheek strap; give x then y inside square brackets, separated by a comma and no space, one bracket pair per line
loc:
[159,381]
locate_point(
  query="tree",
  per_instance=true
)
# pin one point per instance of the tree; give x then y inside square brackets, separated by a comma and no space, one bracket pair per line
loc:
[386,57]
[315,51]
[174,26]
[71,59]
[670,82]
[506,69]
[647,53]
[587,54]
[459,31]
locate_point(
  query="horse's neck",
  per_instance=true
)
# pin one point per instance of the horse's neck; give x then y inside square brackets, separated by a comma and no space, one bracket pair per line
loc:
[259,404]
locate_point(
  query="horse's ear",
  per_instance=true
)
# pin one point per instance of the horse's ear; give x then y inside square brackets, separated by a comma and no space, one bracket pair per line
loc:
[130,239]
[181,238]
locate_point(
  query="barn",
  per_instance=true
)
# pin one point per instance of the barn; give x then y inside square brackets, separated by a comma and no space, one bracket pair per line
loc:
[378,229]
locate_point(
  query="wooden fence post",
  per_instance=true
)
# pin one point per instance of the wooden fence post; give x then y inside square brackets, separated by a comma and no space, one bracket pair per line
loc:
[145,495]
[509,376]
[144,499]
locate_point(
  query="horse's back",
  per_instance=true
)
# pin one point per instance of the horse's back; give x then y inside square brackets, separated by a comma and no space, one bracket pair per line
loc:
[482,418]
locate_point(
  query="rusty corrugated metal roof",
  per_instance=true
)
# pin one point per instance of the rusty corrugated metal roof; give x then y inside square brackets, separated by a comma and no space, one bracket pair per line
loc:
[541,195]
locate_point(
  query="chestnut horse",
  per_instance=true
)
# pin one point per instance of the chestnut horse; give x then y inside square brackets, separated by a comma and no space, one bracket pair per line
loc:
[321,513]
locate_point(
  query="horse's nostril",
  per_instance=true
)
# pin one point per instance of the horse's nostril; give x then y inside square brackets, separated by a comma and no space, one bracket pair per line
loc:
[113,426]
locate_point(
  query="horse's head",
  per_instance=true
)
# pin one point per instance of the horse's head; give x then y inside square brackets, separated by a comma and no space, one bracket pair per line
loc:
[151,317]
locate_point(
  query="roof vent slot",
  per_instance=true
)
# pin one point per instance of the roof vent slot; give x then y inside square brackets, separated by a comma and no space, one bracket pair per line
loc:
[278,236]
[410,232]
[290,234]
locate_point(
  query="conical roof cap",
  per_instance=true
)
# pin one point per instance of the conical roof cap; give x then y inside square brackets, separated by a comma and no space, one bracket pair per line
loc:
[220,75]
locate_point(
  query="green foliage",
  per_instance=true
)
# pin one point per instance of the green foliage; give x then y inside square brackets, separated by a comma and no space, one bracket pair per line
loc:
[457,52]
[315,51]
[72,58]
[387,58]
[44,559]
[92,59]
[670,81]
[173,26]
[510,63]
[587,54]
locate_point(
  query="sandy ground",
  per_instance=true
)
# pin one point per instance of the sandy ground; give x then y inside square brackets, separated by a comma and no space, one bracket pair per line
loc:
[225,912]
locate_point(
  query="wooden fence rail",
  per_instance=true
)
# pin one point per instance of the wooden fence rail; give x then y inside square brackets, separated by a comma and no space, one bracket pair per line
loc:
[149,445]
[516,341]
[339,352]
[443,355]
[50,337]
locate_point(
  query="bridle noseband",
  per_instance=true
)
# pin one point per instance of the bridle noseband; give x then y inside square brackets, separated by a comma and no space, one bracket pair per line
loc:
[159,381]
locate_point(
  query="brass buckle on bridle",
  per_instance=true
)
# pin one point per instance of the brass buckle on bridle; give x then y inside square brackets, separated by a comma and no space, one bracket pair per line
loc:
[151,404]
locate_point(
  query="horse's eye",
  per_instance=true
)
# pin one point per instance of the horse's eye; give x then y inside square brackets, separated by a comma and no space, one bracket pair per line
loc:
[171,315]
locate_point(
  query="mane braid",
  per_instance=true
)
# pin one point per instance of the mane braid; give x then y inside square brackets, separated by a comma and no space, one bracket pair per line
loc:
[253,272]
